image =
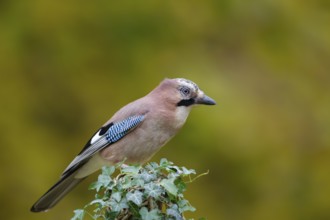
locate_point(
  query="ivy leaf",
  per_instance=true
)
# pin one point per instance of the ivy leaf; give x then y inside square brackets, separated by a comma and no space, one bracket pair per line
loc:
[118,206]
[126,182]
[188,172]
[131,170]
[137,189]
[153,190]
[98,201]
[137,182]
[184,205]
[108,170]
[102,181]
[180,185]
[78,214]
[146,215]
[169,186]
[116,196]
[147,176]
[135,197]
[110,215]
[96,185]
[164,162]
[174,212]
[134,209]
[152,166]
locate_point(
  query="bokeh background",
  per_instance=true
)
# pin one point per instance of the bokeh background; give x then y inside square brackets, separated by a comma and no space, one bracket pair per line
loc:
[67,66]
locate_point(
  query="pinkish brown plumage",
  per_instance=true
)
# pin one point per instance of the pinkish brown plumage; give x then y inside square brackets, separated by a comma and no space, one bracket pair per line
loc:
[134,133]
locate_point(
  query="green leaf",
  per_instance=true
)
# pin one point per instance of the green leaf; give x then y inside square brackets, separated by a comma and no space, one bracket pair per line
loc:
[180,184]
[126,182]
[184,205]
[116,196]
[111,215]
[98,201]
[108,170]
[131,170]
[137,182]
[78,214]
[169,186]
[146,215]
[96,185]
[164,162]
[135,197]
[174,212]
[152,166]
[134,209]
[118,206]
[103,180]
[147,176]
[188,172]
[137,189]
[153,190]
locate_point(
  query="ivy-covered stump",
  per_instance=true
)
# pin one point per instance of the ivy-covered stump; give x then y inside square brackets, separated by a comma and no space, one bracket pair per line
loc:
[150,192]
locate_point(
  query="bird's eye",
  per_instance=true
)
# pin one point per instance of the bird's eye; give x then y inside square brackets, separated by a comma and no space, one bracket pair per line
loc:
[185,91]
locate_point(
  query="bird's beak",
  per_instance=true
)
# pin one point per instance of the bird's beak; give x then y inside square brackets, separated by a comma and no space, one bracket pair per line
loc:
[205,100]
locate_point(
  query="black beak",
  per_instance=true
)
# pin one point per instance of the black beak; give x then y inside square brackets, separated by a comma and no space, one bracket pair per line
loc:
[205,100]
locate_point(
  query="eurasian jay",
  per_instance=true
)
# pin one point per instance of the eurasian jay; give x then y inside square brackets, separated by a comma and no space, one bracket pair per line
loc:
[134,134]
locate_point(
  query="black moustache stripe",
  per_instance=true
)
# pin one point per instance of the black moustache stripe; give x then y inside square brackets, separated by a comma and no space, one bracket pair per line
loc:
[186,102]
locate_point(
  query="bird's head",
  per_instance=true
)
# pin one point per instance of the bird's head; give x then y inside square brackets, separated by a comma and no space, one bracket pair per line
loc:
[190,94]
[183,93]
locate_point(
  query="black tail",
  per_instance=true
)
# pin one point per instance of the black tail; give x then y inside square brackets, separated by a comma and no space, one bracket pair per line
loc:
[56,193]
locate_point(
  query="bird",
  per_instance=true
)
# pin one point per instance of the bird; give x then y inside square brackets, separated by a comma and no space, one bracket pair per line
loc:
[133,134]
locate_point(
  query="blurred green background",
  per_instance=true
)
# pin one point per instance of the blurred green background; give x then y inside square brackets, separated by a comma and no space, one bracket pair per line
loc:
[67,66]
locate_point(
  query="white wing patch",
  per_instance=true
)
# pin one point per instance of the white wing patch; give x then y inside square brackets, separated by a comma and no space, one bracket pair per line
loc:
[96,137]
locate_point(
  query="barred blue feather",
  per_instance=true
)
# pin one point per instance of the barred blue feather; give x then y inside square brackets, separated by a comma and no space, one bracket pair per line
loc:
[120,129]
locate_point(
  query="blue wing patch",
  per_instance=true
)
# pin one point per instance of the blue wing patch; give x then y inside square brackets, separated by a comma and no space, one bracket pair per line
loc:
[120,129]
[115,132]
